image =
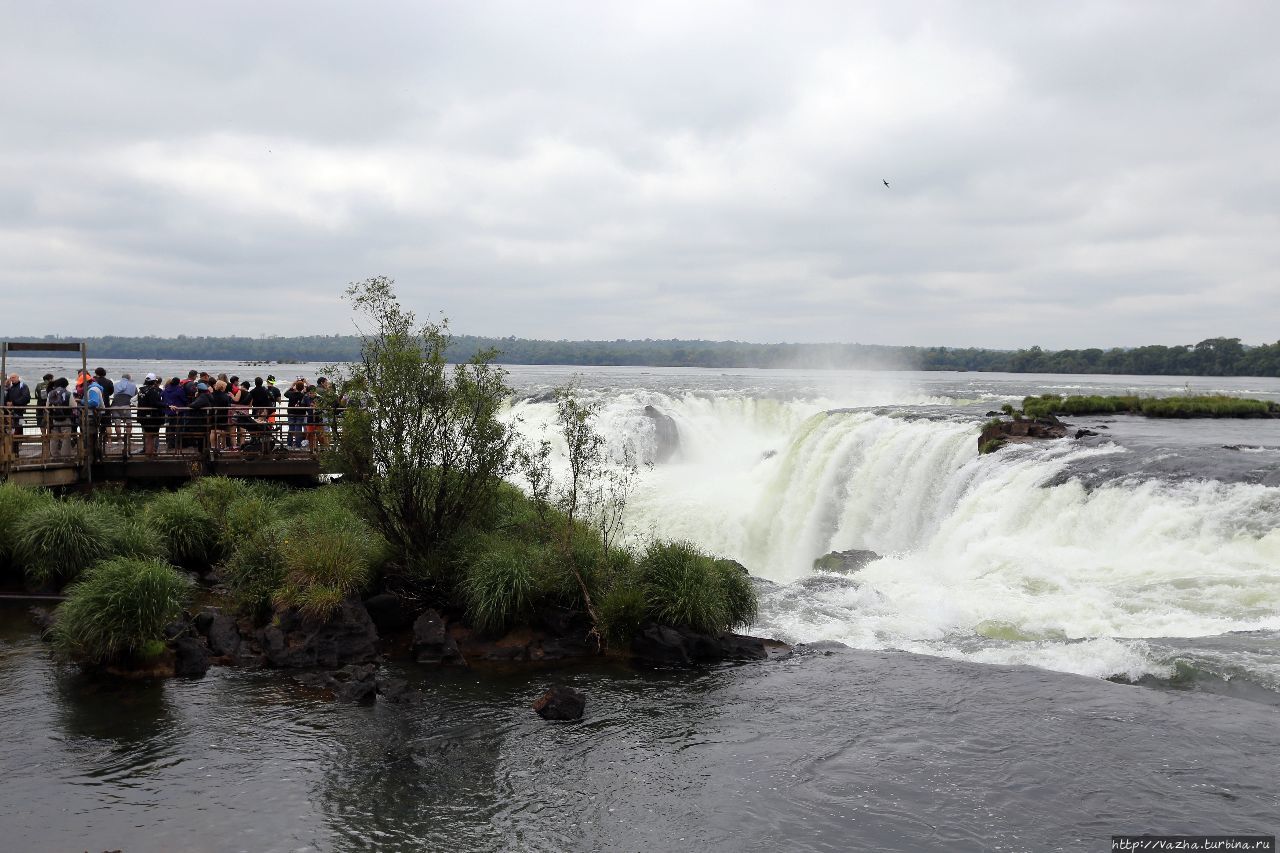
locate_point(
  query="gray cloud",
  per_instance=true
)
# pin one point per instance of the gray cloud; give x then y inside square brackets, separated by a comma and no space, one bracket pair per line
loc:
[1098,175]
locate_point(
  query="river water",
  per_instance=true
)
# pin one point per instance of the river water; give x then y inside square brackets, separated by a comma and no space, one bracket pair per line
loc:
[971,711]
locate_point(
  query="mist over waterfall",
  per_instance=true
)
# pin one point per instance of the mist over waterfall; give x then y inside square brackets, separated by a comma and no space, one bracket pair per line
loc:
[1055,554]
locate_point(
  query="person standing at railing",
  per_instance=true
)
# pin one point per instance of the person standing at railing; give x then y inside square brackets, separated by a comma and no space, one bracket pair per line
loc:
[62,417]
[297,412]
[121,419]
[17,396]
[93,424]
[219,412]
[175,400]
[197,422]
[151,413]
[42,403]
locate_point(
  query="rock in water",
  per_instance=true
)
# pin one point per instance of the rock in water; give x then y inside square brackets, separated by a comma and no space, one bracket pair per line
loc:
[666,432]
[190,658]
[347,636]
[390,613]
[432,643]
[845,562]
[561,703]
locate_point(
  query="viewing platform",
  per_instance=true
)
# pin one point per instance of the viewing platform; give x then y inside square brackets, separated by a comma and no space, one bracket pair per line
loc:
[106,445]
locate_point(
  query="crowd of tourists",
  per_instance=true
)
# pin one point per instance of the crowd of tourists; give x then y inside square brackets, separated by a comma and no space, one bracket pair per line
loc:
[202,411]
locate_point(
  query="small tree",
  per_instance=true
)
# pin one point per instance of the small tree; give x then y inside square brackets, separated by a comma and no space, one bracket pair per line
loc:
[425,445]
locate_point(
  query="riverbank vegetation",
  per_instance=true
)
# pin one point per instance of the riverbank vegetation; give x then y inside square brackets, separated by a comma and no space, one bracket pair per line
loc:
[1206,406]
[1210,357]
[427,511]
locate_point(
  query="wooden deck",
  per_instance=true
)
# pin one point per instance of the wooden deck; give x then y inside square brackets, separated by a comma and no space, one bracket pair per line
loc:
[29,458]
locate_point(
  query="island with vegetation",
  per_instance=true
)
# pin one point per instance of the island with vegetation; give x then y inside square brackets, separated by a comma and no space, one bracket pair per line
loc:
[424,546]
[1039,416]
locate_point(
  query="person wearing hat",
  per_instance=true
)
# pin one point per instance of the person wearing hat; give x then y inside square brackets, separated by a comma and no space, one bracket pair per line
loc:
[17,396]
[199,420]
[151,412]
[275,397]
[42,403]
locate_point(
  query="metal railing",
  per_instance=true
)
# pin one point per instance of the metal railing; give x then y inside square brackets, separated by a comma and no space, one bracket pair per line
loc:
[36,437]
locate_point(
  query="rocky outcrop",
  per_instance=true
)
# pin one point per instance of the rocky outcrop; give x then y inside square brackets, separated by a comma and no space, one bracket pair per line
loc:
[356,684]
[347,636]
[190,658]
[664,645]
[845,562]
[666,434]
[561,703]
[996,434]
[221,632]
[390,612]
[432,643]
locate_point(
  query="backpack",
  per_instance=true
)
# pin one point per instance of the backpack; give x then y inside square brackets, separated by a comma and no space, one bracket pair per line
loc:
[59,402]
[93,396]
[151,398]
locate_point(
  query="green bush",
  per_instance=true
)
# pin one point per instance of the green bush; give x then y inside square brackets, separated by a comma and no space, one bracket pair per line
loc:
[17,504]
[61,539]
[622,611]
[323,566]
[501,584]
[686,588]
[255,570]
[119,609]
[741,605]
[991,445]
[1204,406]
[189,532]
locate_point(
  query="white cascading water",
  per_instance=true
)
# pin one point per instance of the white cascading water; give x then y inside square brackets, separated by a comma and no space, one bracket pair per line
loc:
[981,559]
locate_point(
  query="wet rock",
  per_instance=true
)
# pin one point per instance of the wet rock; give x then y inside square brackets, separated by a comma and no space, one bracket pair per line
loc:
[179,627]
[347,636]
[223,635]
[1019,431]
[662,644]
[1081,433]
[432,643]
[390,613]
[190,658]
[768,454]
[396,691]
[564,622]
[666,433]
[845,562]
[561,703]
[357,684]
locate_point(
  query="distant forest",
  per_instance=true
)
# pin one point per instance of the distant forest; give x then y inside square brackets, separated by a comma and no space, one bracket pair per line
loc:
[1212,357]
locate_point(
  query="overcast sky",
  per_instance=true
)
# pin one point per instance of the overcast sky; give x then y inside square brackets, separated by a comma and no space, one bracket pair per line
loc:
[1063,174]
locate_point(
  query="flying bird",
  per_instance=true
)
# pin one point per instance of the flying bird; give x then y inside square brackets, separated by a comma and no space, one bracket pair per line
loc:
[886,183]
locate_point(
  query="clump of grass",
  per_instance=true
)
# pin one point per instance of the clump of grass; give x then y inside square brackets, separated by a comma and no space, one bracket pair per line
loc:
[501,584]
[740,602]
[119,610]
[685,588]
[622,610]
[991,445]
[255,570]
[189,532]
[323,566]
[17,504]
[61,539]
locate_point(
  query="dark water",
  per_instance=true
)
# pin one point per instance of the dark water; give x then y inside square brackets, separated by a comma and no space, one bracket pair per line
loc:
[842,751]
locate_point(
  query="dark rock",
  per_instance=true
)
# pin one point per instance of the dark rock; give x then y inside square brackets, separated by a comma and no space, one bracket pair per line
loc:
[565,622]
[768,454]
[43,618]
[357,684]
[432,643]
[390,613]
[561,703]
[390,688]
[1081,433]
[347,636]
[223,635]
[994,414]
[666,433]
[845,562]
[190,658]
[661,644]
[203,620]
[1020,430]
[559,648]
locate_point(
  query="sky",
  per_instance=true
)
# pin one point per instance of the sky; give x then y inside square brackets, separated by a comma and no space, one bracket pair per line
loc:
[1064,175]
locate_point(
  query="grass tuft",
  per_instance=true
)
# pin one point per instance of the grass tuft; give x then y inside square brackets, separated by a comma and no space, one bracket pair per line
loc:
[119,610]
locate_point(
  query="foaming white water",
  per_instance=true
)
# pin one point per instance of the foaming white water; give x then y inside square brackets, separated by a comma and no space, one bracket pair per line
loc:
[983,558]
